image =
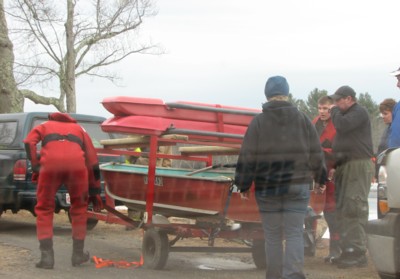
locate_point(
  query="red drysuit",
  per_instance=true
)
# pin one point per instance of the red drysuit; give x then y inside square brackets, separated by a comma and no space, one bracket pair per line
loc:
[326,139]
[67,157]
[326,136]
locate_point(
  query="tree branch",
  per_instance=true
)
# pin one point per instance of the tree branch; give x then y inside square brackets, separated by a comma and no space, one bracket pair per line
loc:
[38,99]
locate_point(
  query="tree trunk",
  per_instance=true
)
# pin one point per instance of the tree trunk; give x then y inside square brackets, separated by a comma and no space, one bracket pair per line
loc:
[11,99]
[70,59]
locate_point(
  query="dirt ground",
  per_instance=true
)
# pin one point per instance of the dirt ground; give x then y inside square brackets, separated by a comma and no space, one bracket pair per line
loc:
[11,256]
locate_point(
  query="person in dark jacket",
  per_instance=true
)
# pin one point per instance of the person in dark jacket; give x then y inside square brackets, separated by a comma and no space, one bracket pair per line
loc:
[67,157]
[353,175]
[281,154]
[394,134]
[386,110]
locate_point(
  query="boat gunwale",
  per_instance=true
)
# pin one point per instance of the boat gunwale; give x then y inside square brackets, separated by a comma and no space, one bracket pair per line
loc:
[219,179]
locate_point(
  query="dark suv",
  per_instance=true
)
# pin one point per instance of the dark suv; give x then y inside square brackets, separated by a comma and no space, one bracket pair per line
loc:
[16,188]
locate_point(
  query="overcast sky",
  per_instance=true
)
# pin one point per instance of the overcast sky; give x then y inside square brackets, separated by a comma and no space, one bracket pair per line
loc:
[223,51]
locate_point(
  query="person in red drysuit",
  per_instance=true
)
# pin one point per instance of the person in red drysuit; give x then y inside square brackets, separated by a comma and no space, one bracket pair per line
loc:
[67,157]
[326,130]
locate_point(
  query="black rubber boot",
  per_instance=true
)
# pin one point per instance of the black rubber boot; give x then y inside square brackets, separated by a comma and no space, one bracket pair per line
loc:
[47,254]
[353,260]
[78,256]
[334,251]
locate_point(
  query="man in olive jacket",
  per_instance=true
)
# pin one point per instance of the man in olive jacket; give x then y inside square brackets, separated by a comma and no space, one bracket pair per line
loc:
[354,171]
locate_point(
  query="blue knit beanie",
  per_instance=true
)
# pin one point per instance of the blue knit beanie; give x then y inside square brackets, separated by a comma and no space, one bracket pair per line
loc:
[276,85]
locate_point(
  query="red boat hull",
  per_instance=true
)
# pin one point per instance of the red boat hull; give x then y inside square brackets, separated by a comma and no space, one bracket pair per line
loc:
[179,195]
[243,210]
[174,195]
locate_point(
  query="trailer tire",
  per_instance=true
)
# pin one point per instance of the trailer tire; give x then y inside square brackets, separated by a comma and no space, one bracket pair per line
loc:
[90,223]
[258,253]
[386,276]
[155,248]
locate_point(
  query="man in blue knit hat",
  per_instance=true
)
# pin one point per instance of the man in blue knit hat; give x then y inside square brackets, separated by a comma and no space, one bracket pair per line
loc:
[282,155]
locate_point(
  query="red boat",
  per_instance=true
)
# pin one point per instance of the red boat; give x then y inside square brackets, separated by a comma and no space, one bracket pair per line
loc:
[175,193]
[178,193]
[206,195]
[188,111]
[148,125]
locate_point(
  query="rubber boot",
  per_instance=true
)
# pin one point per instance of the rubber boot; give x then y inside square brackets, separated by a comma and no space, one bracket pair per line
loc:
[353,259]
[334,251]
[78,256]
[47,254]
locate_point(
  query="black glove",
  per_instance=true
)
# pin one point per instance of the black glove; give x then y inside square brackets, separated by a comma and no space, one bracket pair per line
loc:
[96,202]
[36,168]
[35,177]
[326,144]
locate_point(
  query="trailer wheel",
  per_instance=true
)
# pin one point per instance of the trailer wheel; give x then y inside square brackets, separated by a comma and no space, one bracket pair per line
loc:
[258,253]
[155,248]
[90,223]
[386,276]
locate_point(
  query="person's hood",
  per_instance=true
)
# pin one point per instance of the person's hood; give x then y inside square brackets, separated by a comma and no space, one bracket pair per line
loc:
[277,104]
[61,117]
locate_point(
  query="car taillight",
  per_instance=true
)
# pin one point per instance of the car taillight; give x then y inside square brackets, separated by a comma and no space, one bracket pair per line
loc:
[383,206]
[20,169]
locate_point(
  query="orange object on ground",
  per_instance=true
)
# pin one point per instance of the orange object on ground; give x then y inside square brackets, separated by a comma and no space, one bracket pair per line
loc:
[100,263]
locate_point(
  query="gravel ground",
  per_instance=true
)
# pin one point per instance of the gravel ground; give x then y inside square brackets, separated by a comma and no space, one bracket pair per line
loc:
[15,259]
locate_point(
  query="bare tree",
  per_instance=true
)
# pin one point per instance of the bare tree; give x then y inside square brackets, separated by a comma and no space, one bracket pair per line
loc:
[11,99]
[61,43]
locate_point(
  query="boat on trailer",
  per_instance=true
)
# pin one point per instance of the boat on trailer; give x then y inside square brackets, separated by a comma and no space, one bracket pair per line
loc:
[180,193]
[206,196]
[176,192]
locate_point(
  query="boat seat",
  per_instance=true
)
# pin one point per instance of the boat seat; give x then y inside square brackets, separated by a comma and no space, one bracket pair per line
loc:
[138,141]
[202,150]
[125,142]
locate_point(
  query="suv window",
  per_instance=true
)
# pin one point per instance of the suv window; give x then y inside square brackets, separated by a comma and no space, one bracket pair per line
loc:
[92,128]
[95,132]
[8,132]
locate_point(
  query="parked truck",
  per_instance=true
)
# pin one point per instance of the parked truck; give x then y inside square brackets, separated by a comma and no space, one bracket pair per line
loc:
[17,191]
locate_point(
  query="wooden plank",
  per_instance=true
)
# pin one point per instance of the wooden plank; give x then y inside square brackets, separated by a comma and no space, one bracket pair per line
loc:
[175,137]
[138,141]
[201,150]
[132,140]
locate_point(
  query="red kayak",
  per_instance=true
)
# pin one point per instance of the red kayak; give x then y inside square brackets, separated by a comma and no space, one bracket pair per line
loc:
[147,125]
[127,106]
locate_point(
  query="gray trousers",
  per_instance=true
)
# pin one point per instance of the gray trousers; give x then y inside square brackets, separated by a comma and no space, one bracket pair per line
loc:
[353,182]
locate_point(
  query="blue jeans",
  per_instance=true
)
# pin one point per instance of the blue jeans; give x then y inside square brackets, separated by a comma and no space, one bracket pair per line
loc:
[282,217]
